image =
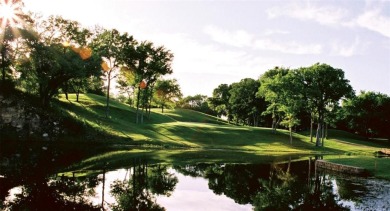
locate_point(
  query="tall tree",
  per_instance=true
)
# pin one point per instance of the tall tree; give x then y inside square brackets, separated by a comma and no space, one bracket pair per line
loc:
[113,47]
[269,89]
[324,86]
[148,65]
[291,99]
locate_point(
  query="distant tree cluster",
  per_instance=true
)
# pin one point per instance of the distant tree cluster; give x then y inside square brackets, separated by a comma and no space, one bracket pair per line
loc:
[298,98]
[198,103]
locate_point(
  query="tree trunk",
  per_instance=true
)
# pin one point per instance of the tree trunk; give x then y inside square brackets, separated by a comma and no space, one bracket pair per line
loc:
[318,135]
[137,113]
[274,125]
[277,123]
[162,108]
[108,94]
[77,95]
[66,91]
[323,134]
[142,114]
[290,135]
[326,131]
[150,100]
[311,129]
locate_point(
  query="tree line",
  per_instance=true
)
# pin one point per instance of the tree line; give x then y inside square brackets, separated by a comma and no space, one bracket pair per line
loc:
[47,56]
[308,98]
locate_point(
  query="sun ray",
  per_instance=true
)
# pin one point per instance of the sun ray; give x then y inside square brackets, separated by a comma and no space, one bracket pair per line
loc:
[10,10]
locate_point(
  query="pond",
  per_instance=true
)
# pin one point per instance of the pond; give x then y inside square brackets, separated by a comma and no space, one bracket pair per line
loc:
[279,185]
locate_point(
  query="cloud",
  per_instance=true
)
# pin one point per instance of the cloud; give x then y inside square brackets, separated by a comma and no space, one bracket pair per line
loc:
[371,19]
[348,49]
[270,32]
[323,15]
[374,21]
[201,67]
[239,38]
[288,47]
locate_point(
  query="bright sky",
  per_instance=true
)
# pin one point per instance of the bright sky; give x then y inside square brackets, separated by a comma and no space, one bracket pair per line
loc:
[217,42]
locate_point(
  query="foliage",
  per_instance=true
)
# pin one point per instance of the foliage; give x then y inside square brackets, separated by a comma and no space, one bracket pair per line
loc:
[245,106]
[48,64]
[317,89]
[111,45]
[269,89]
[167,92]
[135,193]
[197,102]
[368,114]
[324,86]
[219,102]
[9,36]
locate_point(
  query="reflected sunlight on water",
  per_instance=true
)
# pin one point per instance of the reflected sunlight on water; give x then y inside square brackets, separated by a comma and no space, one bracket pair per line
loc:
[194,194]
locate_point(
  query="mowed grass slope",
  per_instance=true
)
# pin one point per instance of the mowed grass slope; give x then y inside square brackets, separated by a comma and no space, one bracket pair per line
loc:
[190,129]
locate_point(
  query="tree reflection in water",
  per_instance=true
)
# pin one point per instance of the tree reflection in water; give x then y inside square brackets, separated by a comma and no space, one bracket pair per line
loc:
[283,191]
[281,186]
[76,193]
[136,193]
[56,193]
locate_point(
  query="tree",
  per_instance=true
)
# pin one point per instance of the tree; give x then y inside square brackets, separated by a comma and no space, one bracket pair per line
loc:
[166,92]
[291,99]
[324,86]
[126,84]
[197,102]
[12,16]
[51,63]
[368,114]
[269,89]
[220,100]
[148,65]
[115,48]
[245,105]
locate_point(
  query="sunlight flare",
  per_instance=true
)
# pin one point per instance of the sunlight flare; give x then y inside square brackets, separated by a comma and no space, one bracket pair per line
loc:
[9,12]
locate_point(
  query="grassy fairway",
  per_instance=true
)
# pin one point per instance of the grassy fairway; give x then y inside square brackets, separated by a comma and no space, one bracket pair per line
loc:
[189,129]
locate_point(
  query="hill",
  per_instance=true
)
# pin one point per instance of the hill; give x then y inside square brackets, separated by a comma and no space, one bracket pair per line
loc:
[182,128]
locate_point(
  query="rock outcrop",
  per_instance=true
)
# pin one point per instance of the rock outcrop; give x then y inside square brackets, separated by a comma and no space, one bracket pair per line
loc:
[20,120]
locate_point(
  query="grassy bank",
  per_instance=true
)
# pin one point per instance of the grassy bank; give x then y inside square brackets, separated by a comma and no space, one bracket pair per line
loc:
[379,167]
[189,129]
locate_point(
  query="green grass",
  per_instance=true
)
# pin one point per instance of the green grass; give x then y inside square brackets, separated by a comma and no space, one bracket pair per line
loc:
[190,129]
[376,166]
[182,135]
[186,115]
